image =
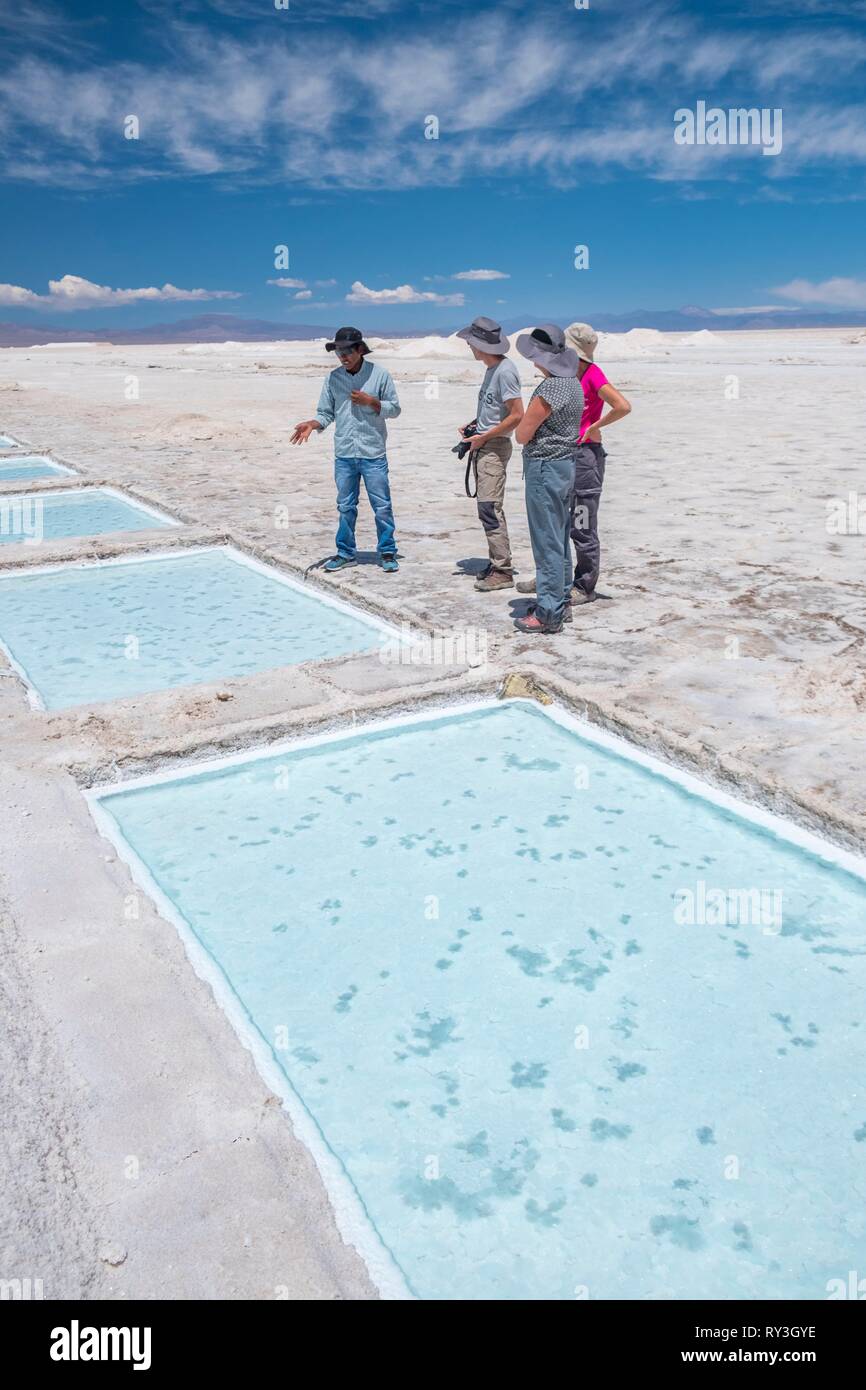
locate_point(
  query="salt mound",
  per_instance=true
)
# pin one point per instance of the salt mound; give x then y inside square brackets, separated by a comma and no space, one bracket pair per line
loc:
[407,348]
[703,338]
[638,342]
[193,428]
[209,347]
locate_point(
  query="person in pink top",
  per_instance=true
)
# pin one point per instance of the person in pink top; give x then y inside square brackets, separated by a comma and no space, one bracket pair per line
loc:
[589,459]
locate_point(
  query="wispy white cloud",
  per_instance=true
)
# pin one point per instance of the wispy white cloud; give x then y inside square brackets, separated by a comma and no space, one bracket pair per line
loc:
[481,275]
[304,294]
[326,109]
[285,283]
[402,294]
[73,292]
[837,293]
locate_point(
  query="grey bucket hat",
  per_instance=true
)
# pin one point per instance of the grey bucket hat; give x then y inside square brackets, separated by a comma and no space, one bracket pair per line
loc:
[485,335]
[546,347]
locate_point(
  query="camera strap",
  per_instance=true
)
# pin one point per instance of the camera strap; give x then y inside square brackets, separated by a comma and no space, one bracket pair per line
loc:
[470,464]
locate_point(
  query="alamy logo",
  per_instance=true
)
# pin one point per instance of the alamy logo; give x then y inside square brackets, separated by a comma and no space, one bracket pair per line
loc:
[461,646]
[20,1289]
[853,1287]
[729,907]
[22,518]
[738,126]
[846,516]
[77,1343]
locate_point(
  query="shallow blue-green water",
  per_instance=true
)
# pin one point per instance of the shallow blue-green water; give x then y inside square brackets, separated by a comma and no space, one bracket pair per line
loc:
[86,633]
[460,940]
[58,516]
[29,466]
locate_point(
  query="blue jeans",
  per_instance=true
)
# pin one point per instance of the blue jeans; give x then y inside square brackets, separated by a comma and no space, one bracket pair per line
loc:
[347,475]
[549,487]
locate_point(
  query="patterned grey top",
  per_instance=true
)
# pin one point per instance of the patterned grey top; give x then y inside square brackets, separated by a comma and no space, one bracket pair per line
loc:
[557,436]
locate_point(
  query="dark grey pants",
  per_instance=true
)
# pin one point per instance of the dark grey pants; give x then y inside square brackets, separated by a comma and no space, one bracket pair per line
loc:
[549,486]
[589,461]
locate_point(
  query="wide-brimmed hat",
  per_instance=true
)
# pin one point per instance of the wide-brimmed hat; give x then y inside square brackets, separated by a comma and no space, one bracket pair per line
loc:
[348,338]
[546,347]
[487,336]
[583,338]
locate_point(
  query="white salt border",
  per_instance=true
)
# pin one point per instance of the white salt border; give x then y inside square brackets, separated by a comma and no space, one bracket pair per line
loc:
[371,620]
[353,1221]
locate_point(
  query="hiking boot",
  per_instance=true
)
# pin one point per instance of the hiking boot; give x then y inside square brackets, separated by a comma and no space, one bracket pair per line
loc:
[494,579]
[389,563]
[526,586]
[338,562]
[578,598]
[566,612]
[533,624]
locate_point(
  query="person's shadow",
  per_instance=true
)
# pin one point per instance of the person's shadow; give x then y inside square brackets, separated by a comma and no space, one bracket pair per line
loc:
[473,569]
[520,606]
[372,557]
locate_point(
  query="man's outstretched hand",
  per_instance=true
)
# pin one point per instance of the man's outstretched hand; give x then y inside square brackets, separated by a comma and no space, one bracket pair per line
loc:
[303,431]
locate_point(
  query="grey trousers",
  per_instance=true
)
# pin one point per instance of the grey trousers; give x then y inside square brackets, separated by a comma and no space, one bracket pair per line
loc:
[549,489]
[589,461]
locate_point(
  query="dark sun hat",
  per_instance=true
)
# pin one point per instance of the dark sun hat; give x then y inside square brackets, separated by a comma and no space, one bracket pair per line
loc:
[348,338]
[546,347]
[485,335]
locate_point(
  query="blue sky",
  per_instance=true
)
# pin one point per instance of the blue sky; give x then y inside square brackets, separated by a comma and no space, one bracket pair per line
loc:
[262,126]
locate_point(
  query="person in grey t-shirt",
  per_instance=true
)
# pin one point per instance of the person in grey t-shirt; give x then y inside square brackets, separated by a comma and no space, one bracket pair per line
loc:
[547,433]
[500,410]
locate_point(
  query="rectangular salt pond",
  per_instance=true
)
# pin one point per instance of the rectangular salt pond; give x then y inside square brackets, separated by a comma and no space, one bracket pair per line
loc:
[32,517]
[79,633]
[31,466]
[457,947]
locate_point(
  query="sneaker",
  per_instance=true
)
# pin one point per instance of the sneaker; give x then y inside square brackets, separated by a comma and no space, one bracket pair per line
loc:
[533,624]
[578,598]
[494,579]
[338,562]
[567,616]
[526,586]
[389,563]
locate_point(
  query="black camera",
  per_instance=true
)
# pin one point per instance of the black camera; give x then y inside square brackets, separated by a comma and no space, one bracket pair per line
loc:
[462,449]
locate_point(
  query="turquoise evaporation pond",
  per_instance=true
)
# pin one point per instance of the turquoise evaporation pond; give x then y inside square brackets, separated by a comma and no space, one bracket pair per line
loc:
[61,515]
[6,442]
[434,912]
[29,466]
[100,632]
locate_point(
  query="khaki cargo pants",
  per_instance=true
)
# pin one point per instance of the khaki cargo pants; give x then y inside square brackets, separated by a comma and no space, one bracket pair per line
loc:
[491,464]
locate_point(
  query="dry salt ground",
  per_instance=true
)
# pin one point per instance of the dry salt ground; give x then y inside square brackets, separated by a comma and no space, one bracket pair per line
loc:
[732,641]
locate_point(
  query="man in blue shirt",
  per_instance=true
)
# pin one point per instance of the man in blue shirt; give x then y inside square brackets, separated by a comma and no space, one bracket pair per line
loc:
[357,397]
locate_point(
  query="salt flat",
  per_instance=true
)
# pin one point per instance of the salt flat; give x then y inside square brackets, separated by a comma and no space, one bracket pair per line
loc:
[732,640]
[736,621]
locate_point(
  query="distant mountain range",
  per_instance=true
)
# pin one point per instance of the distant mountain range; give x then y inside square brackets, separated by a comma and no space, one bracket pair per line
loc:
[221,328]
[692,318]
